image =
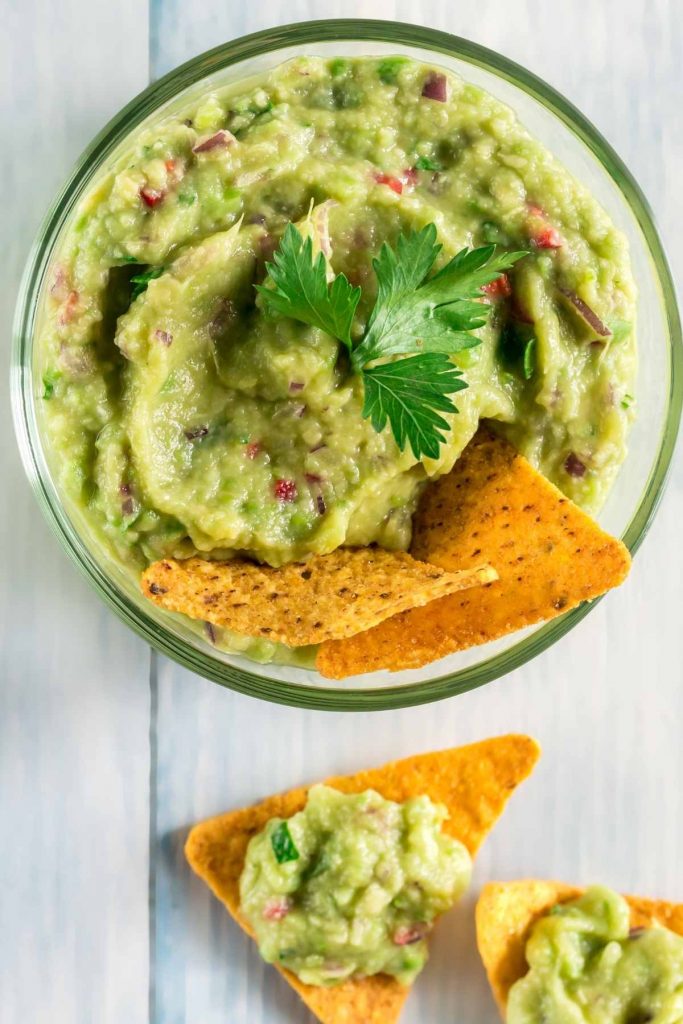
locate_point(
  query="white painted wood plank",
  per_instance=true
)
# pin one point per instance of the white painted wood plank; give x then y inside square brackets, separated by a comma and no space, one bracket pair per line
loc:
[74,695]
[606,703]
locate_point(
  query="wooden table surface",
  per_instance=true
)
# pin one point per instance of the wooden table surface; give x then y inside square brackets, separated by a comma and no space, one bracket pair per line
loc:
[108,752]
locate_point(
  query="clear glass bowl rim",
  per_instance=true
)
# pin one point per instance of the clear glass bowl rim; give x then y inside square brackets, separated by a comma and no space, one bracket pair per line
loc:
[158,93]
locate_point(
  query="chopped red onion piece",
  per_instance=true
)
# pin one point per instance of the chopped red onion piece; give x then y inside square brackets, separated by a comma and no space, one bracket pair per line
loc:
[164,337]
[218,141]
[574,466]
[296,385]
[222,319]
[127,507]
[406,935]
[589,316]
[253,449]
[68,310]
[313,478]
[125,490]
[276,908]
[435,87]
[60,285]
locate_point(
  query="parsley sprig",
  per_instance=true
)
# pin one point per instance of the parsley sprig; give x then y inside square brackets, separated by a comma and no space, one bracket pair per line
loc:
[424,318]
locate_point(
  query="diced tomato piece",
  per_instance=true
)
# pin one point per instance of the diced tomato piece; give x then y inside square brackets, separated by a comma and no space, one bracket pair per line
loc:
[151,197]
[541,231]
[170,166]
[285,490]
[547,238]
[500,288]
[253,449]
[395,184]
[410,176]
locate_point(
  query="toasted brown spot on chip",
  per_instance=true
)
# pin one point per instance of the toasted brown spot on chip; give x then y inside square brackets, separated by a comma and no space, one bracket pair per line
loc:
[474,782]
[507,911]
[333,596]
[542,570]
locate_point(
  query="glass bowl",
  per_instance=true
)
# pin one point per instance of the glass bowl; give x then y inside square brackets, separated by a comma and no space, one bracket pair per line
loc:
[556,123]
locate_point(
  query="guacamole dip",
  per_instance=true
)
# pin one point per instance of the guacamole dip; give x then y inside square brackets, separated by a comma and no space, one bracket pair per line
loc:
[181,420]
[351,885]
[587,967]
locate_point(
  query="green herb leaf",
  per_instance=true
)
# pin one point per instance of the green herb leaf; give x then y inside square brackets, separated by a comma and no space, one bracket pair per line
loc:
[301,290]
[186,198]
[423,163]
[283,844]
[626,401]
[389,68]
[50,378]
[140,281]
[410,394]
[414,313]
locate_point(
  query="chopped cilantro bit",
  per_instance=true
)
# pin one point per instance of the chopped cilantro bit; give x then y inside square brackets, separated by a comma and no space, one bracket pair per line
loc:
[529,359]
[339,66]
[140,281]
[423,163]
[626,401]
[283,844]
[50,378]
[389,68]
[187,198]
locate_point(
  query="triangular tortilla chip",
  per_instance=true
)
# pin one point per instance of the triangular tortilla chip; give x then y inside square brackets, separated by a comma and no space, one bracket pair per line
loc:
[507,911]
[493,507]
[330,596]
[473,782]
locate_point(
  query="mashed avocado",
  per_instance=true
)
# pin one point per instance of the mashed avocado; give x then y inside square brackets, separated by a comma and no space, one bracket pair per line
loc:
[586,967]
[351,885]
[180,420]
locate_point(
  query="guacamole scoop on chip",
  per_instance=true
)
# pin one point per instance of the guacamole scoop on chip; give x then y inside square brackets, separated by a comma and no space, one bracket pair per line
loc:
[587,965]
[350,886]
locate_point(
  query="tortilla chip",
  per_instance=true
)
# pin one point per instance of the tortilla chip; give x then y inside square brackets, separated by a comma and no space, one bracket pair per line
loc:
[473,782]
[328,597]
[507,911]
[493,507]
